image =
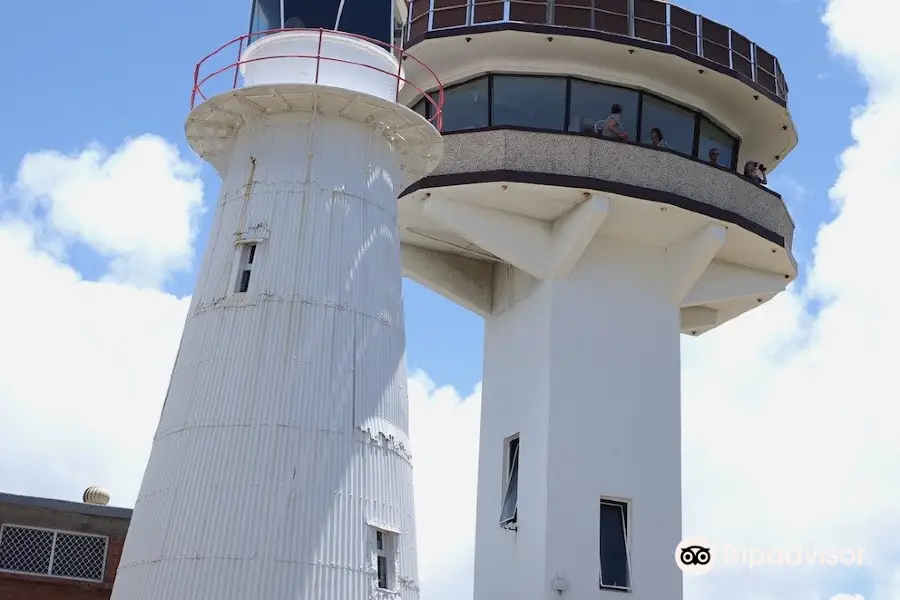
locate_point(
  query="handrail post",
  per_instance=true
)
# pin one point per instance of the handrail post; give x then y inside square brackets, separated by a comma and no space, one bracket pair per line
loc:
[778,89]
[631,18]
[319,54]
[668,8]
[699,35]
[753,65]
[730,50]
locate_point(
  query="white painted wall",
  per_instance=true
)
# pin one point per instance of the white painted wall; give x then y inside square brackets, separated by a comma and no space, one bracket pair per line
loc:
[516,358]
[285,427]
[324,58]
[588,369]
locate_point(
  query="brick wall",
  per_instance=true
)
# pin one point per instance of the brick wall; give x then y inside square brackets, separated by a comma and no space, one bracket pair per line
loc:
[30,587]
[15,586]
[18,586]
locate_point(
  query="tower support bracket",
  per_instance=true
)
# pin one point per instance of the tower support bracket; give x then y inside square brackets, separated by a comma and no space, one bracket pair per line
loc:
[690,257]
[541,249]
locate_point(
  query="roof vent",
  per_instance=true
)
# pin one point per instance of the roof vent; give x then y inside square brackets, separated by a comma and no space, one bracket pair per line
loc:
[96,495]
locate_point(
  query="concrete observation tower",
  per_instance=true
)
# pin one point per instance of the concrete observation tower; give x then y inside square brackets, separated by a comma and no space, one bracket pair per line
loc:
[588,256]
[280,469]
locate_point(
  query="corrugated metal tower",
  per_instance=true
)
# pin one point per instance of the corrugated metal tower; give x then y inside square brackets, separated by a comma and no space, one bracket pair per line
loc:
[281,467]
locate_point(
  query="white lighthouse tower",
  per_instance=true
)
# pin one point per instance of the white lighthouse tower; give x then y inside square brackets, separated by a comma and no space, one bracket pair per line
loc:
[281,467]
[591,205]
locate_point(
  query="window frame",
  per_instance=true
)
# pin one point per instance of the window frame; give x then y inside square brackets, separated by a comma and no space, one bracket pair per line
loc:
[388,553]
[429,108]
[250,22]
[641,93]
[661,101]
[247,255]
[735,142]
[639,109]
[567,96]
[252,37]
[56,533]
[624,507]
[511,464]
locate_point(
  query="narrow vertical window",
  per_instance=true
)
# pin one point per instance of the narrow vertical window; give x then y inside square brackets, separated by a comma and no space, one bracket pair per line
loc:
[385,547]
[615,568]
[509,514]
[248,253]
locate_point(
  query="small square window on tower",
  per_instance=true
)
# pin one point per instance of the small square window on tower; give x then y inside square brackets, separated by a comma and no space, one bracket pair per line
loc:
[509,513]
[384,550]
[615,564]
[245,268]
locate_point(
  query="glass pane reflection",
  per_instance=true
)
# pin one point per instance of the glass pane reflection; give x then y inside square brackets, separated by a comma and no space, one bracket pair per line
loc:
[592,103]
[266,15]
[466,105]
[675,122]
[538,102]
[713,138]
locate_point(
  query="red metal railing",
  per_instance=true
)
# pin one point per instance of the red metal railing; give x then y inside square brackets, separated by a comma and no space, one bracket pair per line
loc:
[654,21]
[435,98]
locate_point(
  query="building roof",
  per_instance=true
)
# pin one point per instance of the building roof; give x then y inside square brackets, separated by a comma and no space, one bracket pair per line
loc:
[114,512]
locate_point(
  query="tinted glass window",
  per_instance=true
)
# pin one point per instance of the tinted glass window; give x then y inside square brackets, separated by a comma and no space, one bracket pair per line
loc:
[538,102]
[592,103]
[370,18]
[466,105]
[266,15]
[713,137]
[298,13]
[420,107]
[511,498]
[676,124]
[613,547]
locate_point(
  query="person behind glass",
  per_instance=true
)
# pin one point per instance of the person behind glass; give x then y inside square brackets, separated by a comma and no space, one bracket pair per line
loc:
[755,171]
[612,126]
[714,156]
[656,138]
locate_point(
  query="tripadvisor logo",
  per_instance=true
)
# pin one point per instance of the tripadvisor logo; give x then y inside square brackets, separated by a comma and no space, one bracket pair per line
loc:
[696,556]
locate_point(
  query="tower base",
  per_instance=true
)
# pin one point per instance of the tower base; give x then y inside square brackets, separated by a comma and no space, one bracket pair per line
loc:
[582,376]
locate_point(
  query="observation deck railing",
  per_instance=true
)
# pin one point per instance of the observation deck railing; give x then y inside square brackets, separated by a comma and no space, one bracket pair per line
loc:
[214,74]
[648,20]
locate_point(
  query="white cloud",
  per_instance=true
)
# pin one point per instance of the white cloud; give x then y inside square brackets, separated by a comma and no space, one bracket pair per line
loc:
[129,205]
[84,365]
[790,431]
[444,430]
[790,426]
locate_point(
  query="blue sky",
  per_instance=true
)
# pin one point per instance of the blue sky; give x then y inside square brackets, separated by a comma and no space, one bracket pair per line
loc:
[811,373]
[92,80]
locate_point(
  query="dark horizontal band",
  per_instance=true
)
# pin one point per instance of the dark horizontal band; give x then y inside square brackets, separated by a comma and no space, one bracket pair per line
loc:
[600,185]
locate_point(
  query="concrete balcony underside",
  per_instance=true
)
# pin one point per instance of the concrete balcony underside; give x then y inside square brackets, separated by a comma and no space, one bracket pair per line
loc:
[652,197]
